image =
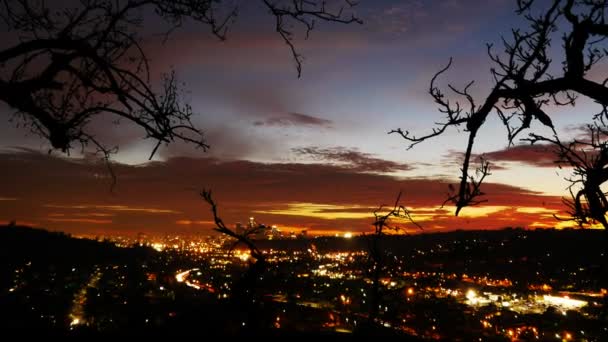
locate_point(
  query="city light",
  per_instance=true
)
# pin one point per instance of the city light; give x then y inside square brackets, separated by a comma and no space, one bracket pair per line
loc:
[564,302]
[471,295]
[340,281]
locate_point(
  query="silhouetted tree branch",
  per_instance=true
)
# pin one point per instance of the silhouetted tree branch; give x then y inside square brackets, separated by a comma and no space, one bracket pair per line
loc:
[72,64]
[383,221]
[589,161]
[222,228]
[523,81]
[305,13]
[244,290]
[472,190]
[587,204]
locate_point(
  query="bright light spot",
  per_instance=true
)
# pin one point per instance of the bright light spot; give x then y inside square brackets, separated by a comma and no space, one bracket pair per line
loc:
[158,247]
[471,295]
[410,291]
[244,256]
[75,321]
[565,302]
[180,277]
[348,235]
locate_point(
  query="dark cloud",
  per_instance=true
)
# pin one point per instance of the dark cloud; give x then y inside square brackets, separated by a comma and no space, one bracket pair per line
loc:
[540,155]
[226,142]
[154,197]
[430,21]
[294,119]
[351,158]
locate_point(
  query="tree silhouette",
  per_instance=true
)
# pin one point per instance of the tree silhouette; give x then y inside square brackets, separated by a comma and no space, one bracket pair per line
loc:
[244,290]
[525,83]
[72,64]
[383,221]
[244,238]
[588,158]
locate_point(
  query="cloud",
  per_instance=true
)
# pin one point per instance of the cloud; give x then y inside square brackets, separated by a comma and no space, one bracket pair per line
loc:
[160,197]
[113,208]
[80,220]
[351,158]
[324,211]
[226,141]
[195,222]
[294,119]
[540,155]
[81,215]
[430,21]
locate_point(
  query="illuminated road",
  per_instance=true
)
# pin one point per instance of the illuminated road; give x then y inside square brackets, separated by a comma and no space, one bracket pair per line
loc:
[77,312]
[182,277]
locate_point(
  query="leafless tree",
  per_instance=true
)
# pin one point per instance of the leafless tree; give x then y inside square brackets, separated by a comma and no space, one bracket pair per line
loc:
[587,205]
[391,220]
[525,83]
[472,191]
[244,239]
[588,159]
[73,63]
[245,290]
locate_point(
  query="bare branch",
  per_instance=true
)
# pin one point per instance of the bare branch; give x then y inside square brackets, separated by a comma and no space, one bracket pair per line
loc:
[472,190]
[588,159]
[222,228]
[524,86]
[305,13]
[398,212]
[383,220]
[75,63]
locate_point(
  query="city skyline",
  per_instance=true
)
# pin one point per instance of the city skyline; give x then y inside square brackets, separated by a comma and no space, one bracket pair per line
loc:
[419,169]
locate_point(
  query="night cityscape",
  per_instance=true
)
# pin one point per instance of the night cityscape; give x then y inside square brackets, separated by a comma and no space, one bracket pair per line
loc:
[459,285]
[411,169]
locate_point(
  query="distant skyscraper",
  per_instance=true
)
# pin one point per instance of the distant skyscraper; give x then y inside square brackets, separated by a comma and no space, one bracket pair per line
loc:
[251,225]
[275,232]
[239,228]
[261,232]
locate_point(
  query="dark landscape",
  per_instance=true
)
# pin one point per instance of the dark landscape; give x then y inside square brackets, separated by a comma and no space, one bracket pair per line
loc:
[201,169]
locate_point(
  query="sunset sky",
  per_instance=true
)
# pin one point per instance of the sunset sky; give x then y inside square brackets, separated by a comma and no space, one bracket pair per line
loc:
[302,153]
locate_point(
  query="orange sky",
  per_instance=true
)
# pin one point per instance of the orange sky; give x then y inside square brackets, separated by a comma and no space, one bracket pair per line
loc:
[303,153]
[162,197]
